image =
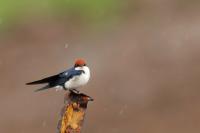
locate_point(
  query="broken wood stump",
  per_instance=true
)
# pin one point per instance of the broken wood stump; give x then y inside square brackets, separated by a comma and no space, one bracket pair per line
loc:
[73,112]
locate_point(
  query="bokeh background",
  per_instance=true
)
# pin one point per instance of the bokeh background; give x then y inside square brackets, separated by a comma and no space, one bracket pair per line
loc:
[144,57]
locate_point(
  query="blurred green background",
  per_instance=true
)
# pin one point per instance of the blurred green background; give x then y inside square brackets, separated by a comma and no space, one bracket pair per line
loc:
[144,57]
[83,10]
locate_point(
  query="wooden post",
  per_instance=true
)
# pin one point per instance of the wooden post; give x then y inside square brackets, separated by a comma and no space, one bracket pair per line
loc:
[73,112]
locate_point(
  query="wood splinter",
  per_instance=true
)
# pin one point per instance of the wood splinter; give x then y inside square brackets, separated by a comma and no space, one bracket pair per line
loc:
[73,112]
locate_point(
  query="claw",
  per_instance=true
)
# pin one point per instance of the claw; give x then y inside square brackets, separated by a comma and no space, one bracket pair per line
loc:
[75,91]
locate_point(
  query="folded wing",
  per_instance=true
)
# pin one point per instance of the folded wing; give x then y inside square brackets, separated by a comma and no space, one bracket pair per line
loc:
[59,79]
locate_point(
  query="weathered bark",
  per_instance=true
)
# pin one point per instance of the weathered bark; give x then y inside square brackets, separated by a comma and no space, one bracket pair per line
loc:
[73,112]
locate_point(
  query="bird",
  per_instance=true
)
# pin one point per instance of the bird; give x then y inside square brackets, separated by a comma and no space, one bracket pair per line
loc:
[71,79]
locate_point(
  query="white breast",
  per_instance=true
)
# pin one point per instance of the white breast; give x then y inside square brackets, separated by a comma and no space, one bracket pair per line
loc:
[80,80]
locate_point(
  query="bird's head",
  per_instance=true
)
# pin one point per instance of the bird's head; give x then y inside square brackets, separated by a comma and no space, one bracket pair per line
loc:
[79,63]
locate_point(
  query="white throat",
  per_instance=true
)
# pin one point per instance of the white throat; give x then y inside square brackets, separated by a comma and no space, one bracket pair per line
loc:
[80,80]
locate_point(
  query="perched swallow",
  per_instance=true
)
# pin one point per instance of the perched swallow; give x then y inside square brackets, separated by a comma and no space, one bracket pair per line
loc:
[70,79]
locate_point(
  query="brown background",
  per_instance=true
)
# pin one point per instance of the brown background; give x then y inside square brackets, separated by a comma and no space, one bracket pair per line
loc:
[145,70]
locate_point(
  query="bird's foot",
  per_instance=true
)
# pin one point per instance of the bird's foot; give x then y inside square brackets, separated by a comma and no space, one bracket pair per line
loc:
[75,91]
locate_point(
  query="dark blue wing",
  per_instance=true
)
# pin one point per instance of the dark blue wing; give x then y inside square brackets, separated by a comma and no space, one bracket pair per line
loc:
[65,76]
[70,73]
[58,79]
